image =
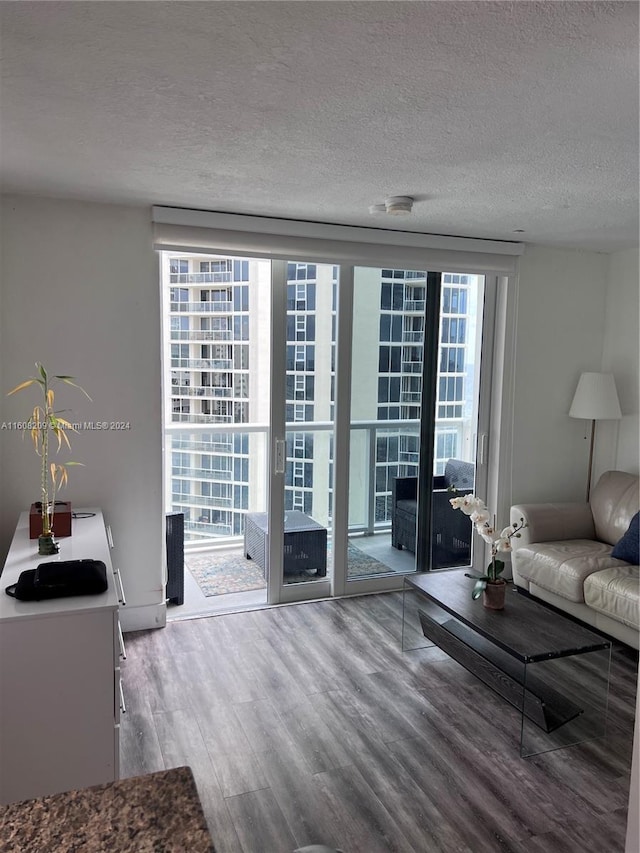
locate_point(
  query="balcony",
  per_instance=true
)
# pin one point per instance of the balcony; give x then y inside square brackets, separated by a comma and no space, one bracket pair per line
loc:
[370,551]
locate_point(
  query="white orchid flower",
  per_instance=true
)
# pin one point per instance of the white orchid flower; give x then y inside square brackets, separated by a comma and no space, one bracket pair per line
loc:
[479,516]
[470,504]
[457,503]
[487,534]
[503,544]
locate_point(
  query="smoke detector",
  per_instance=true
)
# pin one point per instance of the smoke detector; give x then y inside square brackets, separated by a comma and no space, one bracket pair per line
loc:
[395,205]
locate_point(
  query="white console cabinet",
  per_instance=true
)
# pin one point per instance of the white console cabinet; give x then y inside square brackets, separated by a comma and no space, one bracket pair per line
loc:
[60,690]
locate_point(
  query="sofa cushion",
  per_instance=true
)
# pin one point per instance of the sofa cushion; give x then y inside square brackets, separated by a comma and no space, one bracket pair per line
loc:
[561,567]
[628,548]
[616,593]
[615,499]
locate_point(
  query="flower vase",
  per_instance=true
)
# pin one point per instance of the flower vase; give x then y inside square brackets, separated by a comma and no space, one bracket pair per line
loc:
[494,595]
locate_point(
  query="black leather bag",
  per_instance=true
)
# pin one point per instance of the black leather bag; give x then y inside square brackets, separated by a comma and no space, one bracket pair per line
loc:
[60,580]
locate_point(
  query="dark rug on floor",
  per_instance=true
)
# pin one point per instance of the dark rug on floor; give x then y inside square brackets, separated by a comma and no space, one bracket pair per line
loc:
[230,571]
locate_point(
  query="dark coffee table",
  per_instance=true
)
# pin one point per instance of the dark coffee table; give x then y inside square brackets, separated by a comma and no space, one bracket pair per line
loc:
[305,542]
[554,670]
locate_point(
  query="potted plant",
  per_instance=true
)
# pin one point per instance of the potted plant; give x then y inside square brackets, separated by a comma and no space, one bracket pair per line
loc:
[47,427]
[490,585]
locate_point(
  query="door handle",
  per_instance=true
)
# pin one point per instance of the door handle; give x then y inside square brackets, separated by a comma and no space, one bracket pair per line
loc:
[482,448]
[279,456]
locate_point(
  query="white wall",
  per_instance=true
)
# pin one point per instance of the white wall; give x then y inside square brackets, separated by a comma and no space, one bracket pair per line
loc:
[80,293]
[618,440]
[562,302]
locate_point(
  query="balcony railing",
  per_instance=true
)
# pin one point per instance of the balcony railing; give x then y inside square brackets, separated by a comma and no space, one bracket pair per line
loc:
[369,510]
[203,446]
[202,473]
[413,337]
[208,531]
[410,396]
[200,277]
[197,418]
[203,363]
[206,391]
[201,335]
[201,307]
[368,522]
[195,501]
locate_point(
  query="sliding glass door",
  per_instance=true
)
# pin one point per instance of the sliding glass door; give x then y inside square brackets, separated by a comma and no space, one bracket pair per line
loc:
[317,415]
[303,333]
[414,404]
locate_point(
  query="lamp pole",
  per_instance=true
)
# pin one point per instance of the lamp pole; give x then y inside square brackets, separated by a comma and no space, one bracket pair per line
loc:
[593,435]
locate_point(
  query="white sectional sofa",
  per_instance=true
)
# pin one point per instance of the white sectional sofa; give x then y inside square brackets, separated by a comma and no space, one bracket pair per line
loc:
[564,556]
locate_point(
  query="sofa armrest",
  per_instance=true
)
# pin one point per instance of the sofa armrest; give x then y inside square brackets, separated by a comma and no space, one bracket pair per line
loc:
[550,522]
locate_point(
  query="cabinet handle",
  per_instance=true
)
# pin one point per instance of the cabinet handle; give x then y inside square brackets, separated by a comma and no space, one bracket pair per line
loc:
[123,651]
[123,707]
[109,536]
[118,577]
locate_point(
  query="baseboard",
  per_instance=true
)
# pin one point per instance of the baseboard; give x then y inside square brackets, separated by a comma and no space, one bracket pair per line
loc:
[143,618]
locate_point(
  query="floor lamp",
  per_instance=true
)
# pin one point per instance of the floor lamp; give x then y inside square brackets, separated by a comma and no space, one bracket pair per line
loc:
[596,399]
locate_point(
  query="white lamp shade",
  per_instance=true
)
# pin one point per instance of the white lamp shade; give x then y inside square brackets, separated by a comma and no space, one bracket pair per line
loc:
[596,398]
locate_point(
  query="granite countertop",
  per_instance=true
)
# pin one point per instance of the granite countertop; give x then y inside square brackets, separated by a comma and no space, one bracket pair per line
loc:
[156,813]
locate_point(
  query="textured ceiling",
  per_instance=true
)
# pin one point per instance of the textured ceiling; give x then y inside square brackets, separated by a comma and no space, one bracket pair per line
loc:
[496,117]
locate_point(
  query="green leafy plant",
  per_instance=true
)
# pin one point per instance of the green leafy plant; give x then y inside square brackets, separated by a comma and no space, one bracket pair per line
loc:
[47,427]
[500,542]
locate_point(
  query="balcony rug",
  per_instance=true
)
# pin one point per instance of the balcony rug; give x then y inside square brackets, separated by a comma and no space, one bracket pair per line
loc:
[218,574]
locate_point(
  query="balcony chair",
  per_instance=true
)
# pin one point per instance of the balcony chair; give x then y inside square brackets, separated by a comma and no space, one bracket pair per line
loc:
[451,528]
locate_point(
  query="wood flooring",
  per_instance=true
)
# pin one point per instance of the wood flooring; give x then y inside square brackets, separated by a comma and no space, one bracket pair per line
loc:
[307,724]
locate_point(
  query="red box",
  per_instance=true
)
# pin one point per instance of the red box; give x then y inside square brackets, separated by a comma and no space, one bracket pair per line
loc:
[61,520]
